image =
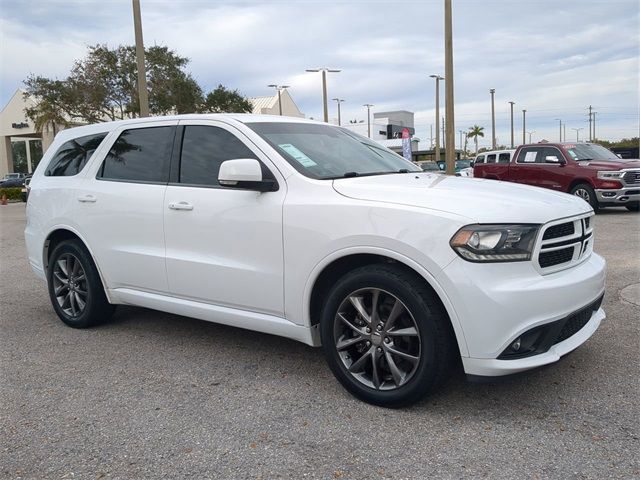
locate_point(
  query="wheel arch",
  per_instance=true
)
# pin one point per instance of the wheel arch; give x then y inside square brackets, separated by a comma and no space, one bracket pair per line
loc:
[339,263]
[59,234]
[577,181]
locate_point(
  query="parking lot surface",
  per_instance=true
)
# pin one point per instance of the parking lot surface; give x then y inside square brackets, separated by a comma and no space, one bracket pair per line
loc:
[153,395]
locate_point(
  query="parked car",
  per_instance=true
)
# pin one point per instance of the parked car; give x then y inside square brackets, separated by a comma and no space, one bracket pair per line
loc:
[309,231]
[588,170]
[432,167]
[461,167]
[12,180]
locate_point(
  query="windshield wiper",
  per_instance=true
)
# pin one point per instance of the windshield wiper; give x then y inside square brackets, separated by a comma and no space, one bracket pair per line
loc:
[350,174]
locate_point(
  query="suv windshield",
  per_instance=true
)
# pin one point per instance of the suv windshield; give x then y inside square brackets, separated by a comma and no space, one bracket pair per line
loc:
[590,151]
[327,152]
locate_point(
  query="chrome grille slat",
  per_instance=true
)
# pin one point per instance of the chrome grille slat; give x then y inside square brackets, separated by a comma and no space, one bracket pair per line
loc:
[631,177]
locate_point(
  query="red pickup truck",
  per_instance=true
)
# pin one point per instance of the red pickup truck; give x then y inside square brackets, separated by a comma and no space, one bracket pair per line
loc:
[587,170]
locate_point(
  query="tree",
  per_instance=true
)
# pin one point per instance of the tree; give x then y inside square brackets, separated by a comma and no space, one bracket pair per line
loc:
[475,132]
[223,100]
[103,86]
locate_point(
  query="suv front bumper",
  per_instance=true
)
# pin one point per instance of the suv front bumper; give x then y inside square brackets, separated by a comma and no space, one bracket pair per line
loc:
[497,303]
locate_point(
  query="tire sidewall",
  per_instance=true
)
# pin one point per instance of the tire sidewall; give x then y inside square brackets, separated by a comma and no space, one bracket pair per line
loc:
[425,373]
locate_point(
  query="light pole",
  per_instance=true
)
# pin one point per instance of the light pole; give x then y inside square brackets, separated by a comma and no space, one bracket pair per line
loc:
[143,95]
[460,131]
[590,113]
[324,88]
[531,133]
[368,105]
[493,119]
[279,88]
[577,133]
[437,78]
[338,101]
[559,120]
[564,131]
[512,104]
[524,126]
[593,114]
[448,75]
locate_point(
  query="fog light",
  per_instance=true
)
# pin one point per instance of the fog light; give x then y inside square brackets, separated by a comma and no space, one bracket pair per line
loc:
[515,346]
[609,194]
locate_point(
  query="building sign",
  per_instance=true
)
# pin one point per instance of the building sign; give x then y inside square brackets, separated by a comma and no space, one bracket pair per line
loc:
[406,144]
[20,125]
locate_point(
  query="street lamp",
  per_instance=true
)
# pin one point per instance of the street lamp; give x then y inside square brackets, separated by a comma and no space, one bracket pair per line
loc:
[559,120]
[512,104]
[524,124]
[577,133]
[437,78]
[593,115]
[324,88]
[531,133]
[493,119]
[450,146]
[339,101]
[279,88]
[461,131]
[368,105]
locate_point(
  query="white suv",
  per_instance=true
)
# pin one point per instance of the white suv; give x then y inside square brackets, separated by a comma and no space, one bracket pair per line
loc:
[309,231]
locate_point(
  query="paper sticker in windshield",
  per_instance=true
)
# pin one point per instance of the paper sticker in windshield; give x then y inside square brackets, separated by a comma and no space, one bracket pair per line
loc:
[298,156]
[530,157]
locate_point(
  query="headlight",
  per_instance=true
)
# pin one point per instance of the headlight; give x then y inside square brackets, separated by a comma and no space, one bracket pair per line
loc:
[610,175]
[495,243]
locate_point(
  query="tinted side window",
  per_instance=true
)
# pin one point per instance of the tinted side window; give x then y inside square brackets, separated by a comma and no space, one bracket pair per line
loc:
[140,155]
[480,159]
[491,158]
[530,155]
[504,158]
[204,149]
[73,155]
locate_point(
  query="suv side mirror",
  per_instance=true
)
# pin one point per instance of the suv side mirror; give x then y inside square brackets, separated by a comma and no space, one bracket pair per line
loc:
[472,163]
[245,173]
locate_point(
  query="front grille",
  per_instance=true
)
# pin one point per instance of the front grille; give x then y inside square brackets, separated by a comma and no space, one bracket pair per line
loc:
[555,257]
[586,223]
[562,230]
[632,177]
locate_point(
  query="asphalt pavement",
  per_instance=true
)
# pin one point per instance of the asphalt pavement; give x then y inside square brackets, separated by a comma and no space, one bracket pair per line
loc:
[152,395]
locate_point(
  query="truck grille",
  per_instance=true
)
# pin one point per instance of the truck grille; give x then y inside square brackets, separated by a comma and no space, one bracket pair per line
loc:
[565,243]
[632,177]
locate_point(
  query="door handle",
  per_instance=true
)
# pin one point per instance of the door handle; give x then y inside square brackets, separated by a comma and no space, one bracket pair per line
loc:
[87,199]
[180,206]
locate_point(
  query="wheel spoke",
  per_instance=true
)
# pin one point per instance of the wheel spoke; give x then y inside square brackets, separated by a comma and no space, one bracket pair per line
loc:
[62,263]
[374,307]
[79,302]
[401,354]
[75,266]
[403,332]
[60,289]
[343,344]
[396,310]
[359,306]
[72,303]
[80,277]
[398,376]
[375,372]
[353,327]
[359,364]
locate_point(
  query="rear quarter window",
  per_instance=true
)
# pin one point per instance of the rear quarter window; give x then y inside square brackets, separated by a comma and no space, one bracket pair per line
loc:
[73,155]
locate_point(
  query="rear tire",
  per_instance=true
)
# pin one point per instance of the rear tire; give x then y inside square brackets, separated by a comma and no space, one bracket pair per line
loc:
[391,355]
[586,192]
[75,288]
[633,207]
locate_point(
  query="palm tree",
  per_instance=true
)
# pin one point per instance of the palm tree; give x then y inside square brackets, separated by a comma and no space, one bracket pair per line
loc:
[475,132]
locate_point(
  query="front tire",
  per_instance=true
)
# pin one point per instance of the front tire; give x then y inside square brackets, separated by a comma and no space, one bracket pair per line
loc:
[75,288]
[586,192]
[386,336]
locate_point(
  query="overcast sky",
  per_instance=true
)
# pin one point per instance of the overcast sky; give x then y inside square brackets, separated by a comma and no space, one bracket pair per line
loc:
[552,57]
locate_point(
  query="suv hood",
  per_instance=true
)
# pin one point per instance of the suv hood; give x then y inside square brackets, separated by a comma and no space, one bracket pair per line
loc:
[479,200]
